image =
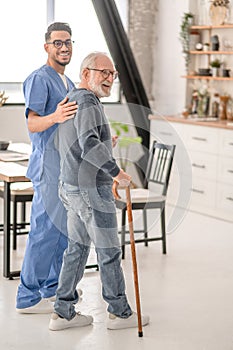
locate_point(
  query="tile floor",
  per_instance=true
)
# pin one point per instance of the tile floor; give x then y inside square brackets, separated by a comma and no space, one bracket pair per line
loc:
[188,294]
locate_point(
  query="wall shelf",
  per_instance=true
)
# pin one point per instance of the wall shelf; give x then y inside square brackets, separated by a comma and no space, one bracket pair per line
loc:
[206,77]
[211,52]
[209,27]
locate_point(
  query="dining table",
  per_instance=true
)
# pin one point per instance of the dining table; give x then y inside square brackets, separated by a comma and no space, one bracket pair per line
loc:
[10,172]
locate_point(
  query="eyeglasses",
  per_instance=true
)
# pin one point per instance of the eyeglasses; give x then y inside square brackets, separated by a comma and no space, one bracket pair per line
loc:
[106,72]
[59,43]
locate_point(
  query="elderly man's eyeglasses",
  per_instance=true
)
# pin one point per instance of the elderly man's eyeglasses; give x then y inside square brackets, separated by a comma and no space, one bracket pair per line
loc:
[59,43]
[106,72]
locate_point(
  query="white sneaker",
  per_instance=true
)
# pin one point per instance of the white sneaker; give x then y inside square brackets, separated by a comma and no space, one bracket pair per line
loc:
[80,293]
[115,322]
[57,323]
[45,306]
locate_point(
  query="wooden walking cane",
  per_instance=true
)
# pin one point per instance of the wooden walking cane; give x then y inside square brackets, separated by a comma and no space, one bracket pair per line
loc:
[133,251]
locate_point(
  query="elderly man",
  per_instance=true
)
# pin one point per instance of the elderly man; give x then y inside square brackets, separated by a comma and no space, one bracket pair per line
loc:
[87,171]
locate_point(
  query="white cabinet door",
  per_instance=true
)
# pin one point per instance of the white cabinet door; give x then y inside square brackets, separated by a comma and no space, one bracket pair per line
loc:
[226,143]
[225,170]
[202,139]
[180,190]
[224,200]
[203,194]
[166,132]
[204,165]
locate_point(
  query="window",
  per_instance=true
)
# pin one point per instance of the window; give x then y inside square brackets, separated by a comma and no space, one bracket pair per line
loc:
[23,39]
[21,43]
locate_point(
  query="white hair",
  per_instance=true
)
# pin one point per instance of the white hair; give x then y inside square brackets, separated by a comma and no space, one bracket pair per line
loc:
[89,60]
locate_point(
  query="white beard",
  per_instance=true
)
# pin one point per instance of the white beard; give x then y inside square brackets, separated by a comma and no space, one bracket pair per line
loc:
[98,91]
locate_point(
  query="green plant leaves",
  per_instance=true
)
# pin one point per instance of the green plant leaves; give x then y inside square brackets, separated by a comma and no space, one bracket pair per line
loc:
[126,141]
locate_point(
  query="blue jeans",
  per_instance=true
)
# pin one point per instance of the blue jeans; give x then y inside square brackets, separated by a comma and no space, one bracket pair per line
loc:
[91,217]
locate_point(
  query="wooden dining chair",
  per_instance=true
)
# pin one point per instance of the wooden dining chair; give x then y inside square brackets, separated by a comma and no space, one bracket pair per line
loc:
[151,196]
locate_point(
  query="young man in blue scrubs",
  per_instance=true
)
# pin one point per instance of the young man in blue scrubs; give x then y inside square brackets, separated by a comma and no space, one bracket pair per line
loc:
[46,107]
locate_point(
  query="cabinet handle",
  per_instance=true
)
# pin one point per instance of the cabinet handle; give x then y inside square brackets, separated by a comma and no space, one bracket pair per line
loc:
[166,133]
[197,191]
[199,138]
[230,171]
[229,198]
[230,143]
[198,166]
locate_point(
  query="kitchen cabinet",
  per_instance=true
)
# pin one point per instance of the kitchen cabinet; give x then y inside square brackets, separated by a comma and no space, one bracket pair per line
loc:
[224,202]
[202,175]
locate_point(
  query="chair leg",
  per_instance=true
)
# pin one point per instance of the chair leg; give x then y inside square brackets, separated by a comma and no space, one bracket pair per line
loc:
[123,219]
[23,215]
[14,225]
[145,227]
[163,229]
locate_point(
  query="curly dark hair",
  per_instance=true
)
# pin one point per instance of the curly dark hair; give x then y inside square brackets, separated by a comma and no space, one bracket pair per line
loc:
[56,26]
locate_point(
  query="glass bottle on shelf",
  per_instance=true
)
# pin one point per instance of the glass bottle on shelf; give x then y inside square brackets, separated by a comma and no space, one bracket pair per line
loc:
[230,109]
[194,102]
[223,107]
[215,106]
[203,105]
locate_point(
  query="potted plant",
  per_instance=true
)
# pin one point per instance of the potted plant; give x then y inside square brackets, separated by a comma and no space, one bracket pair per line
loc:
[187,21]
[124,141]
[215,65]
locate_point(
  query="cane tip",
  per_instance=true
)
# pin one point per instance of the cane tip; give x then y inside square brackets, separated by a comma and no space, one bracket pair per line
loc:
[140,334]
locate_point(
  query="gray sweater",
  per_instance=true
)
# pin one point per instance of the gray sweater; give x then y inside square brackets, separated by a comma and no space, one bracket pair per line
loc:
[85,144]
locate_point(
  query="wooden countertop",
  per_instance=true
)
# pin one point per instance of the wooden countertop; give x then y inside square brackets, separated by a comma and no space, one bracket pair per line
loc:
[223,124]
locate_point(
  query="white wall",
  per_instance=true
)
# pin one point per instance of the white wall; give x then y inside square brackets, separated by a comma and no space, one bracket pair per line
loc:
[13,124]
[169,88]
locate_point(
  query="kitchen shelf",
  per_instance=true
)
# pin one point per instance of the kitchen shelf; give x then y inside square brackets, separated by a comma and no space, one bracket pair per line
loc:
[203,59]
[209,27]
[206,77]
[211,52]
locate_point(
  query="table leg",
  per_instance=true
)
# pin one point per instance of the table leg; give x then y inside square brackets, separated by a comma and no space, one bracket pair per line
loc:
[7,232]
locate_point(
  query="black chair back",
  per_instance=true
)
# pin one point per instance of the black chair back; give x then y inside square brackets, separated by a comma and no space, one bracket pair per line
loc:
[159,165]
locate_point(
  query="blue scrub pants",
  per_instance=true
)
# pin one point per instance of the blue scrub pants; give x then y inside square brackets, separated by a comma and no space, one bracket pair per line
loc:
[45,246]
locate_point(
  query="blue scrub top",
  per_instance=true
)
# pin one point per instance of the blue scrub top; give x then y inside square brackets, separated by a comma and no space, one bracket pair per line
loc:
[43,90]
